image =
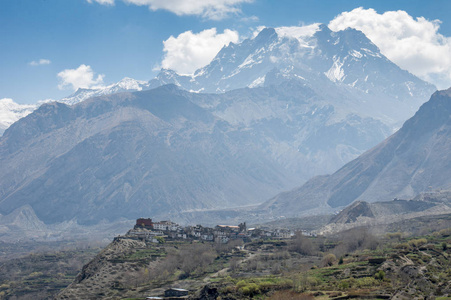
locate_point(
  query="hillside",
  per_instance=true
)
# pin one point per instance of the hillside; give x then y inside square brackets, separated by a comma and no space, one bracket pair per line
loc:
[413,160]
[152,152]
[351,264]
[384,214]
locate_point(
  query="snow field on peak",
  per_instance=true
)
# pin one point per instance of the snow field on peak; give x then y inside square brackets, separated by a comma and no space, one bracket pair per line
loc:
[299,33]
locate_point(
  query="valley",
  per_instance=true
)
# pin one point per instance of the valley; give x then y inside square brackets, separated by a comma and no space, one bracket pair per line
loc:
[275,151]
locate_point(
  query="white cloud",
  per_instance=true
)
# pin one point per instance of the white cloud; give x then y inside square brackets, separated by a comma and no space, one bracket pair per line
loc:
[210,9]
[250,19]
[40,62]
[104,2]
[190,51]
[82,77]
[413,44]
[11,111]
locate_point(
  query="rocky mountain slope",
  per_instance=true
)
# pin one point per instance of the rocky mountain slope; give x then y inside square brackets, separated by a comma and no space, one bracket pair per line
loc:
[379,214]
[415,159]
[326,97]
[130,155]
[166,151]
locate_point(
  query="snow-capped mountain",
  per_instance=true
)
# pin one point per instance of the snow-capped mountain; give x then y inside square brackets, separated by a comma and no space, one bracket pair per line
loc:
[125,85]
[11,111]
[321,97]
[344,67]
[264,116]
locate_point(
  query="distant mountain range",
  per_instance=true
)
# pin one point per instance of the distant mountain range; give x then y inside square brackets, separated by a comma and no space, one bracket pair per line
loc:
[129,155]
[317,57]
[10,111]
[313,55]
[288,104]
[414,160]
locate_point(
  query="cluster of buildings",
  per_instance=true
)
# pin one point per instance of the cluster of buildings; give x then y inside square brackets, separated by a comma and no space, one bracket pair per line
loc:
[151,231]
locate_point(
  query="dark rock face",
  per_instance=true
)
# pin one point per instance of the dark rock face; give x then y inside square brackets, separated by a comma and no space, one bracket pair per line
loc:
[415,159]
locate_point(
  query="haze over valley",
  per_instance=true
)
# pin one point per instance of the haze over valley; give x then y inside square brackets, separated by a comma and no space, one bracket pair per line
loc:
[273,151]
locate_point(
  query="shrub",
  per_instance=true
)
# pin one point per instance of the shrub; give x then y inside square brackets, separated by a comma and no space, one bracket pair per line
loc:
[380,275]
[417,242]
[394,235]
[366,282]
[302,244]
[328,260]
[249,289]
[445,232]
[405,246]
[313,281]
[343,285]
[35,275]
[240,284]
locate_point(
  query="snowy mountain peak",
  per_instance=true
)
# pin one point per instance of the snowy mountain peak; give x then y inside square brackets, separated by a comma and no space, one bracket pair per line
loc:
[126,84]
[265,34]
[314,52]
[344,66]
[10,111]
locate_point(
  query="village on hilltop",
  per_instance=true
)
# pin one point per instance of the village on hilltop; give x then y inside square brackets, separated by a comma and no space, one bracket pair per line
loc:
[156,232]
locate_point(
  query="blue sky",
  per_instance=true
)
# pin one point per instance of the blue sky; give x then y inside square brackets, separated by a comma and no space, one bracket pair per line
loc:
[39,39]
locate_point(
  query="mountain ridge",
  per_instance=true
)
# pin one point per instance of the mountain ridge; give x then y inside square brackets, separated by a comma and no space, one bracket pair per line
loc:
[413,160]
[124,148]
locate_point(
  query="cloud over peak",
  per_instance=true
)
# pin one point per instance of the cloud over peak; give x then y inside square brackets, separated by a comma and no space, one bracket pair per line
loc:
[189,51]
[413,44]
[81,77]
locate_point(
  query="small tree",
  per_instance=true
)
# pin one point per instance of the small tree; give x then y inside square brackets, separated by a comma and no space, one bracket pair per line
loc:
[328,260]
[380,275]
[302,244]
